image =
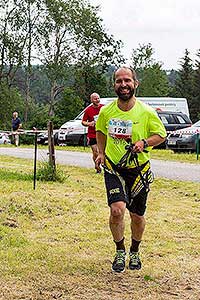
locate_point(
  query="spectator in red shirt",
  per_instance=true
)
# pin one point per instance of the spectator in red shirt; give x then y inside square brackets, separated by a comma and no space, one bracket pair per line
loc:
[89,120]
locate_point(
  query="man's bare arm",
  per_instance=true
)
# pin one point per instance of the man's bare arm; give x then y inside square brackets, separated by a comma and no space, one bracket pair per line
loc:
[101,145]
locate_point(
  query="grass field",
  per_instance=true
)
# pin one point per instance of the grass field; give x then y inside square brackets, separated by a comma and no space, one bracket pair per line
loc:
[56,243]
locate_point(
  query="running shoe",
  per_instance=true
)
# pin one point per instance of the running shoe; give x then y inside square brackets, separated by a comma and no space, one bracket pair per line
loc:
[119,261]
[134,262]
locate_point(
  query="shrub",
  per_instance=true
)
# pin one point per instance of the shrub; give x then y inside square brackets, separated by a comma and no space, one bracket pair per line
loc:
[47,172]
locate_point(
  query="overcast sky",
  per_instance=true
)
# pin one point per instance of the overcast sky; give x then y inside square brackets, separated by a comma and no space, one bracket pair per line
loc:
[170,26]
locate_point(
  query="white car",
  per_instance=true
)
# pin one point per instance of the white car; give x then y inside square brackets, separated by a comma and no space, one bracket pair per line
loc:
[74,133]
[4,138]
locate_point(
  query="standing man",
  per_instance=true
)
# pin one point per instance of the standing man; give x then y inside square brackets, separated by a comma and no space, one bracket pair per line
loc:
[127,129]
[16,125]
[89,120]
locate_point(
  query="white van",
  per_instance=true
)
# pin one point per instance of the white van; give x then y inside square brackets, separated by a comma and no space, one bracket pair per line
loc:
[74,133]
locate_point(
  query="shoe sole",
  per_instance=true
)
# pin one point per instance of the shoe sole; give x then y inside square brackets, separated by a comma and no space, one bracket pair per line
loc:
[136,268]
[114,271]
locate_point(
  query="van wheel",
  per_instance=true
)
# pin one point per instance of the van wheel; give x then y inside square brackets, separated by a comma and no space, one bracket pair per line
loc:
[83,139]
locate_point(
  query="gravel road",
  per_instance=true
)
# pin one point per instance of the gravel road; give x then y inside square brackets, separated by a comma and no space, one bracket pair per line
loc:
[164,169]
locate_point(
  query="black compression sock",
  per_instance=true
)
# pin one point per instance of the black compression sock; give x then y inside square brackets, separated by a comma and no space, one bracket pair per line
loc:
[135,246]
[120,245]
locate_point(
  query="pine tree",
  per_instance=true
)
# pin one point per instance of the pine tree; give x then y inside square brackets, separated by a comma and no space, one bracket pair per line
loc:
[196,101]
[184,85]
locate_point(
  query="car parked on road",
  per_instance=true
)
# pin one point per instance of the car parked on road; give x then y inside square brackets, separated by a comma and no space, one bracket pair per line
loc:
[4,138]
[74,133]
[42,138]
[173,121]
[184,139]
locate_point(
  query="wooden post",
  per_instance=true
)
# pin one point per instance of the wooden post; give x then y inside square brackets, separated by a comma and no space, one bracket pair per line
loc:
[197,145]
[52,161]
[35,162]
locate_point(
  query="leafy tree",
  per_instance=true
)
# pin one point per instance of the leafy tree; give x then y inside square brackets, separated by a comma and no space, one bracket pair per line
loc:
[55,47]
[12,40]
[142,57]
[73,37]
[20,21]
[88,80]
[67,108]
[39,116]
[10,100]
[153,80]
[95,49]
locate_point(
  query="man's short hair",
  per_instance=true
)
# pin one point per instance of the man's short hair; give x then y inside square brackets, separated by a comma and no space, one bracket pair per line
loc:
[128,68]
[94,94]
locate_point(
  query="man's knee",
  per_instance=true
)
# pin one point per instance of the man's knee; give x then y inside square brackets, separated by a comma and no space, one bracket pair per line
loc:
[137,219]
[117,210]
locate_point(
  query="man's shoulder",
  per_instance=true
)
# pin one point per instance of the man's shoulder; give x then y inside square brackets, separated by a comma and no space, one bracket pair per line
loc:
[88,109]
[109,106]
[145,106]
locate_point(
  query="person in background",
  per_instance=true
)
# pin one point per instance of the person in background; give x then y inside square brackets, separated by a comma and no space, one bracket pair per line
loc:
[16,125]
[89,120]
[126,131]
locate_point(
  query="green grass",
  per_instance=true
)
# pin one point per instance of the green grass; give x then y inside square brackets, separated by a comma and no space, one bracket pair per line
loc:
[56,243]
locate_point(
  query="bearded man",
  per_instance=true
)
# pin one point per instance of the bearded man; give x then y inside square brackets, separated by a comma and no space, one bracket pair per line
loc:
[126,131]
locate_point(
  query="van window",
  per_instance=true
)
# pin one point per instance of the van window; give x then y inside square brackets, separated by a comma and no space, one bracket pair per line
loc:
[181,120]
[80,116]
[167,118]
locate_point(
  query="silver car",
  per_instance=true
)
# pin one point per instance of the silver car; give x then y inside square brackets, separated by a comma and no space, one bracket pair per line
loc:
[186,139]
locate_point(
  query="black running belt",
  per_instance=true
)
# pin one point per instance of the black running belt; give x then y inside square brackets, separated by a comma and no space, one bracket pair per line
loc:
[128,158]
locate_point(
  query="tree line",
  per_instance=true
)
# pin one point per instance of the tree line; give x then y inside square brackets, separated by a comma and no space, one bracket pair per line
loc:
[55,53]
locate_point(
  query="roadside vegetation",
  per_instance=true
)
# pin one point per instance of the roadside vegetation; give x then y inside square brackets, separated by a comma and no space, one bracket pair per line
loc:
[56,243]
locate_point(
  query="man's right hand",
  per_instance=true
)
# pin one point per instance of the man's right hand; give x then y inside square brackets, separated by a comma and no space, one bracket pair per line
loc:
[92,123]
[100,161]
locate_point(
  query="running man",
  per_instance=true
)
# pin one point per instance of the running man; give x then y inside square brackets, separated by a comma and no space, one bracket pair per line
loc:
[127,129]
[89,120]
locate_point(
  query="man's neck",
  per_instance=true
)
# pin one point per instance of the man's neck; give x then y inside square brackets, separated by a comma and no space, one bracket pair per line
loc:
[126,105]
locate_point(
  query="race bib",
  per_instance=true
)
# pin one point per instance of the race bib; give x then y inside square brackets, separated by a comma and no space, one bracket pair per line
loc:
[121,129]
[95,118]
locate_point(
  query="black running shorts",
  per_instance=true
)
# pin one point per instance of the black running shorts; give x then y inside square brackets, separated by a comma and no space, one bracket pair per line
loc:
[120,187]
[92,141]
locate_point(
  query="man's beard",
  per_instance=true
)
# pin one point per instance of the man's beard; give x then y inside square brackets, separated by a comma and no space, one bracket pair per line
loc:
[125,97]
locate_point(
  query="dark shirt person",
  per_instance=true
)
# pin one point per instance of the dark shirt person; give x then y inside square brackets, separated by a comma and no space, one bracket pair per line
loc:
[16,125]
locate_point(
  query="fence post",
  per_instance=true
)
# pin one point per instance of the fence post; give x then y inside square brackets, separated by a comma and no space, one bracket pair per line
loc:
[197,144]
[35,162]
[51,146]
[84,138]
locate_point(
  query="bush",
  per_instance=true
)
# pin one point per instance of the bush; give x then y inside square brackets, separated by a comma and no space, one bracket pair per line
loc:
[27,139]
[46,172]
